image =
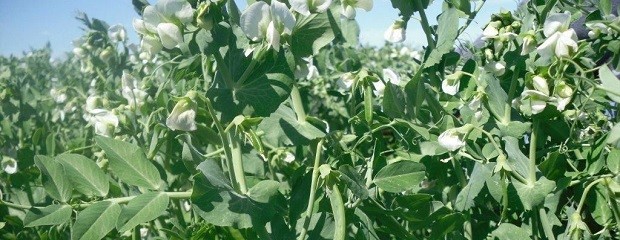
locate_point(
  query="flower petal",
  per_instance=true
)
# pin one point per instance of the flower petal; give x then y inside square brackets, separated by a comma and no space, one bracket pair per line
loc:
[364,4]
[390,76]
[556,22]
[253,19]
[300,6]
[282,15]
[169,34]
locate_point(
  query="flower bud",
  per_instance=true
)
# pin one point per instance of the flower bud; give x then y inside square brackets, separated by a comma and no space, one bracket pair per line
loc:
[9,165]
[396,32]
[529,44]
[183,115]
[106,54]
[451,84]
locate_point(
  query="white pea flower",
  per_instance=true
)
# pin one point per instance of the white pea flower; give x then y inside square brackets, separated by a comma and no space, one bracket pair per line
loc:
[529,44]
[348,7]
[117,33]
[160,24]
[169,34]
[390,76]
[540,84]
[9,165]
[263,21]
[187,206]
[131,91]
[144,232]
[308,70]
[498,68]
[491,30]
[451,84]
[289,158]
[378,87]
[58,96]
[538,96]
[105,122]
[346,81]
[561,41]
[563,95]
[396,33]
[183,115]
[451,140]
[305,7]
[596,29]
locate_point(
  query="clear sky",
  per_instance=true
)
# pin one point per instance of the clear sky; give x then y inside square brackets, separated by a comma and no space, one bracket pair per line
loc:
[26,24]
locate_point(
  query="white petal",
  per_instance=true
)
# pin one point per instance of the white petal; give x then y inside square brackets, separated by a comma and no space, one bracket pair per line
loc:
[567,43]
[541,84]
[391,76]
[379,87]
[151,18]
[182,116]
[321,5]
[547,49]
[300,6]
[395,34]
[450,88]
[283,15]
[252,19]
[9,165]
[489,32]
[450,140]
[169,34]
[348,12]
[179,9]
[151,44]
[273,36]
[537,106]
[364,4]
[556,22]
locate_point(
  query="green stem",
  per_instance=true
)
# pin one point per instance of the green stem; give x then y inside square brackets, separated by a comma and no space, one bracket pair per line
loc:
[612,201]
[246,73]
[313,188]
[225,144]
[14,205]
[585,194]
[335,198]
[542,214]
[121,200]
[511,93]
[237,161]
[458,169]
[297,104]
[532,155]
[425,26]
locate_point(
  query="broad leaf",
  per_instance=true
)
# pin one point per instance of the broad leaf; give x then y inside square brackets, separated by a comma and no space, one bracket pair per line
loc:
[446,34]
[263,191]
[516,159]
[400,176]
[50,215]
[85,175]
[465,199]
[610,83]
[532,195]
[128,162]
[55,180]
[282,128]
[310,34]
[613,161]
[96,220]
[510,232]
[141,209]
[497,97]
[354,181]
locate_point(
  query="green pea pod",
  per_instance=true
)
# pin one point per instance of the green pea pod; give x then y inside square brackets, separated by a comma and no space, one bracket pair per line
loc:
[368,103]
[335,198]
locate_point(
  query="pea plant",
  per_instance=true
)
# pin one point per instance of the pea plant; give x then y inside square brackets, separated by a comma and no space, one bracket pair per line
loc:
[273,122]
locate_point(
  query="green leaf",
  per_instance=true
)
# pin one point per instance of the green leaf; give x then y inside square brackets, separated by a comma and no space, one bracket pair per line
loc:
[613,161]
[282,128]
[496,95]
[599,206]
[55,181]
[218,204]
[354,181]
[450,223]
[128,162]
[514,129]
[50,215]
[263,191]
[532,195]
[446,34]
[85,175]
[400,176]
[265,87]
[610,83]
[510,232]
[516,159]
[407,7]
[310,34]
[605,6]
[613,137]
[394,101]
[465,199]
[96,220]
[141,209]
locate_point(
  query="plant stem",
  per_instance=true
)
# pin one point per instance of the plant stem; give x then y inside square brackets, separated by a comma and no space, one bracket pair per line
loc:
[511,93]
[585,193]
[246,73]
[425,26]
[225,144]
[458,169]
[313,185]
[612,201]
[297,104]
[121,200]
[14,205]
[542,214]
[532,155]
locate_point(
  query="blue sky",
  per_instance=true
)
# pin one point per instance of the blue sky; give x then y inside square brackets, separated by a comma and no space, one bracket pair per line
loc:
[26,24]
